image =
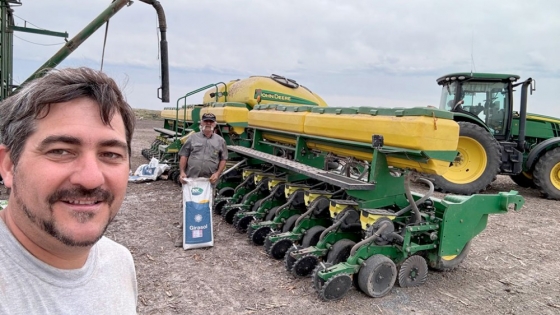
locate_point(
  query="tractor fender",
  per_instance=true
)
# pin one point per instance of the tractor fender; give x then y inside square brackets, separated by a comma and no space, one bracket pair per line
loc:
[458,116]
[539,149]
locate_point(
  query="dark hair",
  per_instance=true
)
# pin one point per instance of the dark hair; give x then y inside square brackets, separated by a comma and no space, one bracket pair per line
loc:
[19,112]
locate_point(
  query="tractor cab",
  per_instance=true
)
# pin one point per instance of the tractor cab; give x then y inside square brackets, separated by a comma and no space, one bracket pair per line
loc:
[483,98]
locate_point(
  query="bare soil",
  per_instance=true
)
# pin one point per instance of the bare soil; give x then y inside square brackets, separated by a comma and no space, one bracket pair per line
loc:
[512,268]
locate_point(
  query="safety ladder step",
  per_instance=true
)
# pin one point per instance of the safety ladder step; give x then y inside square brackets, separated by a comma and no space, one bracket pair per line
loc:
[313,172]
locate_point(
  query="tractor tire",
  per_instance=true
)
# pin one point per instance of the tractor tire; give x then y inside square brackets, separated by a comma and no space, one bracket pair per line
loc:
[450,264]
[523,180]
[547,174]
[476,165]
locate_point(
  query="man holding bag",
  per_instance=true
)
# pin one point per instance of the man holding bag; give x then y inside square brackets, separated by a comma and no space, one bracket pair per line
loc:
[203,159]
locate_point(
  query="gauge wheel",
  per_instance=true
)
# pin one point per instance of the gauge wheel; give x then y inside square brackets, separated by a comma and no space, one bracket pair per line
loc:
[340,251]
[311,237]
[290,223]
[226,192]
[377,276]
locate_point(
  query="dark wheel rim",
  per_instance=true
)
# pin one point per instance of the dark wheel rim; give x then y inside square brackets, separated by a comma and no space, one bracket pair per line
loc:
[336,287]
[243,223]
[288,259]
[279,249]
[230,214]
[259,235]
[219,206]
[318,282]
[304,266]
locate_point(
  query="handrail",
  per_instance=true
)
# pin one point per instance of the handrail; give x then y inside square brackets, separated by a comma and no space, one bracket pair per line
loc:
[184,97]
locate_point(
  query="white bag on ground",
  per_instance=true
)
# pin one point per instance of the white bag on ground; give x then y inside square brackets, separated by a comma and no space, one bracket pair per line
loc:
[148,172]
[197,214]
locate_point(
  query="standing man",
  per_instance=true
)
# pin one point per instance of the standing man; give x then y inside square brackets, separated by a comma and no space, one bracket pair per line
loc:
[65,153]
[204,154]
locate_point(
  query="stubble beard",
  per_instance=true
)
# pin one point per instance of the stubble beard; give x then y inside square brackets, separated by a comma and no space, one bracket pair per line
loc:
[51,227]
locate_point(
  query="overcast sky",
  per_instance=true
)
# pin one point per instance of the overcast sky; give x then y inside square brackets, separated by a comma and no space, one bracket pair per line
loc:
[352,52]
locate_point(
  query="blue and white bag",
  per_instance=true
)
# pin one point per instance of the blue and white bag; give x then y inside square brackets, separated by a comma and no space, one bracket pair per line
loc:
[197,214]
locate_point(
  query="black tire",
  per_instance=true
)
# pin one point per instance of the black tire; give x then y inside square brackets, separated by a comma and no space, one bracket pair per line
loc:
[522,180]
[340,251]
[469,174]
[311,237]
[219,206]
[256,206]
[271,214]
[447,265]
[377,276]
[226,192]
[290,223]
[547,174]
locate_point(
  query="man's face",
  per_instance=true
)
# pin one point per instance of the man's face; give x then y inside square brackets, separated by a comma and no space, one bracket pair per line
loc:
[71,178]
[208,125]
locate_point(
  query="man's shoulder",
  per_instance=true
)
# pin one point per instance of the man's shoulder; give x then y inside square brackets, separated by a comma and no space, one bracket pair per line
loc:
[111,249]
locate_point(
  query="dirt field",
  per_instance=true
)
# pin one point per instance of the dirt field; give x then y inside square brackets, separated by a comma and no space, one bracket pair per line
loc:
[512,268]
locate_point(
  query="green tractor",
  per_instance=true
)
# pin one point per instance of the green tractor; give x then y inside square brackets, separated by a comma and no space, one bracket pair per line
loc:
[495,139]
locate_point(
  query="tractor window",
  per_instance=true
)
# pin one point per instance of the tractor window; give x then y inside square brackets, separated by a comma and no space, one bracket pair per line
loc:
[487,100]
[447,96]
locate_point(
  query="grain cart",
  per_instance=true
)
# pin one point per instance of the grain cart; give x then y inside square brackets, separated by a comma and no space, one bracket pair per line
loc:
[495,139]
[385,146]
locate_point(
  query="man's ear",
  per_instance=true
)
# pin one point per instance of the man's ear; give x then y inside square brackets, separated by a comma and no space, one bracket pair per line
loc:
[6,166]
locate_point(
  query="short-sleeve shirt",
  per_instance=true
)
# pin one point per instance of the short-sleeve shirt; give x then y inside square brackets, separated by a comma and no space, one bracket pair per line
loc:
[204,154]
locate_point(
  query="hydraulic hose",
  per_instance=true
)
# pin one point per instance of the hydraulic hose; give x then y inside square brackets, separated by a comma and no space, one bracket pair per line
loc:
[249,178]
[369,239]
[308,212]
[421,200]
[288,202]
[334,226]
[417,217]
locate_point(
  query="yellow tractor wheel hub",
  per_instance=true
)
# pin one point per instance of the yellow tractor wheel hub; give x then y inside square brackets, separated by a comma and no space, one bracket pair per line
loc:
[469,164]
[555,175]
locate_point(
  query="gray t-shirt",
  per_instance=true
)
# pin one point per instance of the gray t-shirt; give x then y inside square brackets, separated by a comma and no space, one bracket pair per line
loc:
[106,284]
[204,154]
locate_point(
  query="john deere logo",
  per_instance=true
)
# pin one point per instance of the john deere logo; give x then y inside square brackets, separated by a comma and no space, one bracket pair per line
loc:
[196,191]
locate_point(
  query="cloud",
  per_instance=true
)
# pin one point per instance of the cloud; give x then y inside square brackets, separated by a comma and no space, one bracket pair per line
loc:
[388,50]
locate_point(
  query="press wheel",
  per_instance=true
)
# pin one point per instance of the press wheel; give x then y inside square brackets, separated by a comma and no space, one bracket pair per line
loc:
[413,272]
[340,251]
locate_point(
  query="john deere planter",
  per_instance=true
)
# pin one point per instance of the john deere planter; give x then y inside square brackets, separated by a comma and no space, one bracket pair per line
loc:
[364,226]
[329,189]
